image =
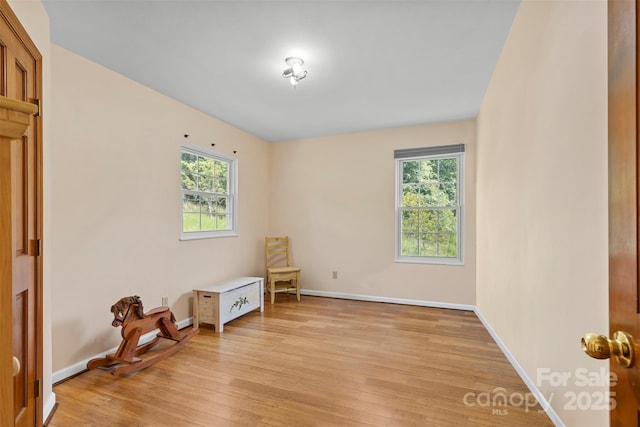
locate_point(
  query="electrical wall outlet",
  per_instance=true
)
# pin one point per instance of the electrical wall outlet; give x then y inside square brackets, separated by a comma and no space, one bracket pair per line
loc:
[165,301]
[335,275]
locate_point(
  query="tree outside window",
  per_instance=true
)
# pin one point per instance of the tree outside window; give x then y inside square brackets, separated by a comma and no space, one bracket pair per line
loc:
[208,193]
[429,208]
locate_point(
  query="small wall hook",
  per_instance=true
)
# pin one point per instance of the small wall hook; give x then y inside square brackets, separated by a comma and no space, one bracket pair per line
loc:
[186,135]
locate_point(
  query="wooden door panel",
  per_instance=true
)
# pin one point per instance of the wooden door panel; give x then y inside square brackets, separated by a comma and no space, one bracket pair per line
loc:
[3,67]
[20,78]
[24,276]
[20,200]
[20,349]
[21,82]
[623,200]
[24,263]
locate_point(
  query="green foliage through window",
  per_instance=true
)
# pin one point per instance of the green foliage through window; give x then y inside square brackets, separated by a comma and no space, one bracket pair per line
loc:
[429,207]
[206,196]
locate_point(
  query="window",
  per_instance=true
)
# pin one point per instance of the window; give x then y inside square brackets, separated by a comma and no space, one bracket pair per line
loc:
[429,199]
[209,196]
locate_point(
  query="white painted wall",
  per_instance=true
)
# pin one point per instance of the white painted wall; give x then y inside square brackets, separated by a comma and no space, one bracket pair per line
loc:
[542,195]
[116,206]
[335,198]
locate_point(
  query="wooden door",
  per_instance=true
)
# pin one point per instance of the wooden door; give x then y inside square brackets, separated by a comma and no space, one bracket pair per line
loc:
[624,304]
[20,223]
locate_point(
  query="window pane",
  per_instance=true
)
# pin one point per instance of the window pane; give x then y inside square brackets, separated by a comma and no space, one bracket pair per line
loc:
[189,204]
[205,183]
[221,177]
[428,221]
[428,244]
[221,205]
[410,195]
[205,166]
[188,171]
[431,195]
[191,222]
[222,185]
[410,221]
[221,222]
[448,194]
[448,170]
[195,201]
[208,222]
[411,172]
[447,245]
[188,158]
[410,244]
[447,221]
[429,170]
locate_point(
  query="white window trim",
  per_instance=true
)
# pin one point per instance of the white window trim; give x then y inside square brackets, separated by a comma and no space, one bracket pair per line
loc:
[233,192]
[460,223]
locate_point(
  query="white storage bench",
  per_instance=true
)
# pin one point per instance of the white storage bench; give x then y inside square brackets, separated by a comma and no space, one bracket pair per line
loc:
[224,301]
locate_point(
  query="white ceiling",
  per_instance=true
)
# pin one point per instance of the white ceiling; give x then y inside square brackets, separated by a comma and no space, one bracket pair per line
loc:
[372,64]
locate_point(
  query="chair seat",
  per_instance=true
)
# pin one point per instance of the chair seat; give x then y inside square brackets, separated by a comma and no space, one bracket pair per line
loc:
[283,274]
[281,270]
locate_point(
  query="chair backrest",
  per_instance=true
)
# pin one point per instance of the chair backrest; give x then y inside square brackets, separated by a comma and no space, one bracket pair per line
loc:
[276,251]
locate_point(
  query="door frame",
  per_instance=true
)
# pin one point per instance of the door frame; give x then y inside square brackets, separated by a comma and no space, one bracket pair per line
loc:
[6,304]
[624,302]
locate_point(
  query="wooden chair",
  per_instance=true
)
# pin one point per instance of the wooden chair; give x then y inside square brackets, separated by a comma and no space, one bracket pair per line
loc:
[281,276]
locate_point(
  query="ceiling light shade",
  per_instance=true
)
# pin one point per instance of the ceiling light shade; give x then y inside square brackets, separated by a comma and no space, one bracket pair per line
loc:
[294,72]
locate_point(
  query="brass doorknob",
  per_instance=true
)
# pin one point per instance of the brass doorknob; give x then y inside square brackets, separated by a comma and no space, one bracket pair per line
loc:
[601,347]
[16,366]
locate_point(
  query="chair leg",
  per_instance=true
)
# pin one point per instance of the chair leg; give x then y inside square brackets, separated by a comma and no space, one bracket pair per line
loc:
[298,288]
[272,287]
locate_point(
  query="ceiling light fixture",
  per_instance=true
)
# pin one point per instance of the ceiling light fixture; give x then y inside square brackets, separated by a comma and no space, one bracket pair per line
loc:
[294,73]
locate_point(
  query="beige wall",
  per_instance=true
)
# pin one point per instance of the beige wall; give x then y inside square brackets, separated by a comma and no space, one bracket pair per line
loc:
[116,204]
[112,200]
[542,194]
[35,20]
[334,196]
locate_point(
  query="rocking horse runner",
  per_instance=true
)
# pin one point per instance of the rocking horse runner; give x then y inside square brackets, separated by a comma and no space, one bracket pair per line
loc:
[129,313]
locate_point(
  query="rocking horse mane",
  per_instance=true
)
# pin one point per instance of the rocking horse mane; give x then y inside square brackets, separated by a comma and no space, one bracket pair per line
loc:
[121,308]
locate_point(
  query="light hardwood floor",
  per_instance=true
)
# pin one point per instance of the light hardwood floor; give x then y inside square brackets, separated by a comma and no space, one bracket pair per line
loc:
[318,362]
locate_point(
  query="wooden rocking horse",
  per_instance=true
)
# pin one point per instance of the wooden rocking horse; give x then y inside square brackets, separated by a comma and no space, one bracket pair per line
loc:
[129,314]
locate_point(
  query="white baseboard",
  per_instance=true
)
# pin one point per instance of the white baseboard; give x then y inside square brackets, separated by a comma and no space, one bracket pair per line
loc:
[546,405]
[81,366]
[403,301]
[48,406]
